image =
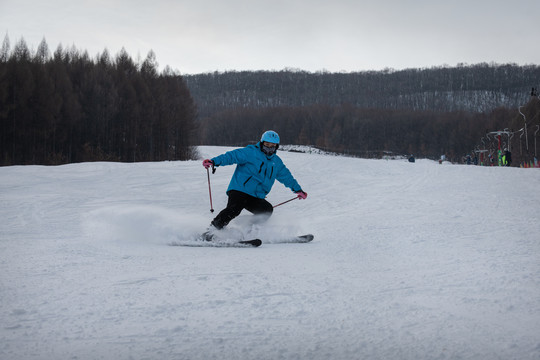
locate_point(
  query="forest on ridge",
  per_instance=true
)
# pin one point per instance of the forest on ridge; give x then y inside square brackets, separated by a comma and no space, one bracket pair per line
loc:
[424,112]
[66,106]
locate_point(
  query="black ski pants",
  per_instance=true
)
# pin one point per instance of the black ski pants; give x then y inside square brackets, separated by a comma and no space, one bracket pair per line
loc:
[239,201]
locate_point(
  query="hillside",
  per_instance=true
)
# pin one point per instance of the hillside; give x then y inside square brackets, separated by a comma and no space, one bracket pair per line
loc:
[425,112]
[471,88]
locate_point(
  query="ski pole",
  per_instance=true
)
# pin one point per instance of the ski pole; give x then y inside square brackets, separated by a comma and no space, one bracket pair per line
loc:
[294,198]
[209,190]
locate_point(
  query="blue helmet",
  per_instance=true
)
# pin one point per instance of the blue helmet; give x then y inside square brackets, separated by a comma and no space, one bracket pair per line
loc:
[270,136]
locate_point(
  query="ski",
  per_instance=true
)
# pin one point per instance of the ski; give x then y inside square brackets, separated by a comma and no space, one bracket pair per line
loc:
[295,240]
[253,242]
[242,243]
[201,243]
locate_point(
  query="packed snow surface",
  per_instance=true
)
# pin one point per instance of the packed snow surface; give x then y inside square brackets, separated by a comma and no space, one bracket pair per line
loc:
[410,261]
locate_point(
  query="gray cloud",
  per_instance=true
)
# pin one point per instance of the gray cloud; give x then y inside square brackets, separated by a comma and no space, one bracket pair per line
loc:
[208,35]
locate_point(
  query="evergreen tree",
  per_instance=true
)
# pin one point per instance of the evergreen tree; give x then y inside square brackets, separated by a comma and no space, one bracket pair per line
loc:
[69,108]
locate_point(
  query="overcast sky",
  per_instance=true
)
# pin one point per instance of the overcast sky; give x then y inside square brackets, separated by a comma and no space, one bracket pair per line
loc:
[335,35]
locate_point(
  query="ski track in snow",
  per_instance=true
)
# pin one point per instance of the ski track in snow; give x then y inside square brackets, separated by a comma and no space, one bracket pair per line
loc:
[409,261]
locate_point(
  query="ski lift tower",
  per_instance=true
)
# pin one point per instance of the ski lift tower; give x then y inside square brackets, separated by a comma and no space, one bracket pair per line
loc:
[498,135]
[536,132]
[525,127]
[535,155]
[481,153]
[481,157]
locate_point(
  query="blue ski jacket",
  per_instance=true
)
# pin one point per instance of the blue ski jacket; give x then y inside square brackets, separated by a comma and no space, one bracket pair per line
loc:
[255,171]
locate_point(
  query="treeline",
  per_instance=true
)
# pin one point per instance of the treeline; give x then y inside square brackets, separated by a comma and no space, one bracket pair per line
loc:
[360,132]
[476,88]
[67,107]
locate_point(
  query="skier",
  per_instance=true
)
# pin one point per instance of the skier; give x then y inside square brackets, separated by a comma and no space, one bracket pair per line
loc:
[258,166]
[507,158]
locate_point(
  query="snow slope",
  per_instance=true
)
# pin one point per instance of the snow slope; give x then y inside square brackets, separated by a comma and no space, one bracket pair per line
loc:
[410,261]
